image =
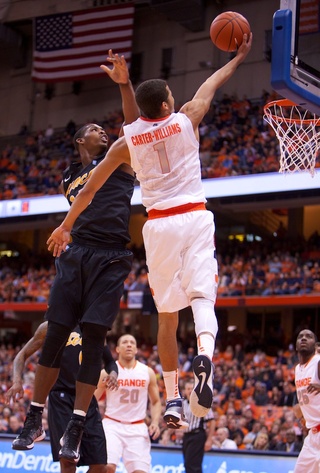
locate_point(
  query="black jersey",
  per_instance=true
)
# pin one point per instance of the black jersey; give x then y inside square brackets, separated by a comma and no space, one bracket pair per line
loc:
[104,224]
[71,361]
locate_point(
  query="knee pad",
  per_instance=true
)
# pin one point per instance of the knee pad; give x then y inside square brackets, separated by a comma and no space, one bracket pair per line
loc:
[204,316]
[93,338]
[54,343]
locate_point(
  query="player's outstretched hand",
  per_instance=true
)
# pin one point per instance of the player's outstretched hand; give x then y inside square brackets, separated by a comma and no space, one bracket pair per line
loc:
[245,46]
[154,430]
[15,393]
[119,72]
[58,241]
[111,382]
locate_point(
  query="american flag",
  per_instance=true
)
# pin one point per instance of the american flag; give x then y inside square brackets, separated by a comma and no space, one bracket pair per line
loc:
[71,46]
[309,16]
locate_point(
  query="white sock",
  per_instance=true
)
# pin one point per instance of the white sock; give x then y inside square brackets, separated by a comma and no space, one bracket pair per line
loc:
[78,412]
[37,404]
[170,379]
[206,325]
[206,344]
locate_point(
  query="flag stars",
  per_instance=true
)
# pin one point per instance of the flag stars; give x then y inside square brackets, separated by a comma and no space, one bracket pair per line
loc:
[54,32]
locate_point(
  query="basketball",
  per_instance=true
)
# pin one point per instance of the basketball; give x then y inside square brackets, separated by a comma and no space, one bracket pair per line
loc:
[227,30]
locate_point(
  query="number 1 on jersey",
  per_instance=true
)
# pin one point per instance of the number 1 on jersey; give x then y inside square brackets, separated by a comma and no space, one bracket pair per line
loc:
[160,148]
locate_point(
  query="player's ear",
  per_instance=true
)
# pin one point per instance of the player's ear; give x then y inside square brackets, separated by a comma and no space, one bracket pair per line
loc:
[165,106]
[80,141]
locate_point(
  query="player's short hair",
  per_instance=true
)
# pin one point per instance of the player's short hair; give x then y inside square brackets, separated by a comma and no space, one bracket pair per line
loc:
[150,95]
[80,134]
[125,335]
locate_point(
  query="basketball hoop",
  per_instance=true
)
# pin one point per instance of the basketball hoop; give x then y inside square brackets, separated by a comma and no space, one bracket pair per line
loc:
[298,132]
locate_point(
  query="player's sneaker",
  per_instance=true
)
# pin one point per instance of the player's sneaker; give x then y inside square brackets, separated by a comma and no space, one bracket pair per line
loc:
[32,432]
[71,440]
[202,394]
[174,416]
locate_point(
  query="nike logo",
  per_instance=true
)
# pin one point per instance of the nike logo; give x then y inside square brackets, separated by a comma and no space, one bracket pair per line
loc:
[67,179]
[203,380]
[171,423]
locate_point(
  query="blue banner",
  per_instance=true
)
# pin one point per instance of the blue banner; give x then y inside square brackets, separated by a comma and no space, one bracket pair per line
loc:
[164,460]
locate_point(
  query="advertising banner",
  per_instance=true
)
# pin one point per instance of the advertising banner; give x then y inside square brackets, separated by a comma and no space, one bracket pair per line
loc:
[164,460]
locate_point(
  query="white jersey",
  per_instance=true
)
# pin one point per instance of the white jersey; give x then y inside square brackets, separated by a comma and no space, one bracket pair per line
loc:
[309,403]
[129,402]
[165,157]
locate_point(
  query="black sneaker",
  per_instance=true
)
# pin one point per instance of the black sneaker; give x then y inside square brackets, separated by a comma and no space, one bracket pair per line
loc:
[202,394]
[32,432]
[174,415]
[71,440]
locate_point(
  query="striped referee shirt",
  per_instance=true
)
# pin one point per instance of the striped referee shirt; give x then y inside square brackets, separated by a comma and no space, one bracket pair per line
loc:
[195,422]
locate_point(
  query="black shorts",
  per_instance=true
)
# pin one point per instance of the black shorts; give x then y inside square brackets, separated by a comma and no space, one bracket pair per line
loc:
[93,449]
[88,285]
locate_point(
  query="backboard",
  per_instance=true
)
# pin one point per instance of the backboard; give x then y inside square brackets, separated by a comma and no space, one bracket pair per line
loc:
[295,65]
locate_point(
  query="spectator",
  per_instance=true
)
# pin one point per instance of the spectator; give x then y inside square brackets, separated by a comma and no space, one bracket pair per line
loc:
[221,440]
[49,133]
[250,437]
[15,425]
[260,394]
[290,444]
[3,426]
[280,358]
[275,396]
[261,441]
[238,437]
[288,395]
[238,353]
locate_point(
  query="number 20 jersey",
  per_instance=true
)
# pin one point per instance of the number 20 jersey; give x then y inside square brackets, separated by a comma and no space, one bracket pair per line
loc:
[165,157]
[129,402]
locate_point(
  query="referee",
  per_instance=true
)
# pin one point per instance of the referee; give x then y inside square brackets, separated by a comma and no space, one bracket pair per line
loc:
[197,439]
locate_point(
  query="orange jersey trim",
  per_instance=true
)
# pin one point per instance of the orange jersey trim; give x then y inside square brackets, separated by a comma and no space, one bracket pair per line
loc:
[122,422]
[180,209]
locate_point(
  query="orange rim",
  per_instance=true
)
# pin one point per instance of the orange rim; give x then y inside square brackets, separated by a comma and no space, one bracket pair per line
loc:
[288,103]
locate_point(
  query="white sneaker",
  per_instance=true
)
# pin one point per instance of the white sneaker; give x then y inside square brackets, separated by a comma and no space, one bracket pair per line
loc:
[174,415]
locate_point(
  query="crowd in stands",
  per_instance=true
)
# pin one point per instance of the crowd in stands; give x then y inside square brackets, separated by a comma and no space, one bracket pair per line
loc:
[235,140]
[253,400]
[277,266]
[32,163]
[268,267]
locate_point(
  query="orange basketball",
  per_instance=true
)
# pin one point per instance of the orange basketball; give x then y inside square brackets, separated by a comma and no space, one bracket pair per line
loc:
[227,30]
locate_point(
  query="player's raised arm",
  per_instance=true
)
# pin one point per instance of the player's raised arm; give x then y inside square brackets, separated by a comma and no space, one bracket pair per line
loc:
[120,75]
[199,105]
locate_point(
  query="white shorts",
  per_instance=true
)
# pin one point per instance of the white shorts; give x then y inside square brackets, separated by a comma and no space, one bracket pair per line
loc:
[131,442]
[180,251]
[309,456]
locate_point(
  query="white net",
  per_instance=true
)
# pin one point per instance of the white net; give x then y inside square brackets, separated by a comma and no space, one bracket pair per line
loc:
[298,132]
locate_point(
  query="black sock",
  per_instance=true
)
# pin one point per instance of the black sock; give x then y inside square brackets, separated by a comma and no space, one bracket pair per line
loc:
[36,408]
[77,417]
